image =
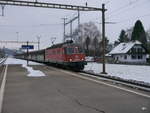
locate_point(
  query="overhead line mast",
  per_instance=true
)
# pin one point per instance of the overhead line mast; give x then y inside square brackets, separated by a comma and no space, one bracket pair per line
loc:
[19,42]
[48,5]
[63,6]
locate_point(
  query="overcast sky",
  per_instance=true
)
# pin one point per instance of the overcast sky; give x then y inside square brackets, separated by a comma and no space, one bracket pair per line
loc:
[28,23]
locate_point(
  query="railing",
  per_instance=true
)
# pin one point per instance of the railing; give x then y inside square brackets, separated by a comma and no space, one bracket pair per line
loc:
[2,61]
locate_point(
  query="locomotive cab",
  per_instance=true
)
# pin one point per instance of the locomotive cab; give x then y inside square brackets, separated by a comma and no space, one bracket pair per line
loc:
[75,56]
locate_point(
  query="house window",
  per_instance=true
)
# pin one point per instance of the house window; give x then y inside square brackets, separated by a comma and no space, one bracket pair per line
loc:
[125,57]
[140,57]
[139,50]
[117,58]
[142,50]
[133,56]
[133,50]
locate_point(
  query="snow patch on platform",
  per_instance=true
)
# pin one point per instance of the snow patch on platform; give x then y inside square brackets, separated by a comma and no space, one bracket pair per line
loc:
[19,61]
[31,71]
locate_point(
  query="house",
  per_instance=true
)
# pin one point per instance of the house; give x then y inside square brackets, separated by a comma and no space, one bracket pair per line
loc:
[131,52]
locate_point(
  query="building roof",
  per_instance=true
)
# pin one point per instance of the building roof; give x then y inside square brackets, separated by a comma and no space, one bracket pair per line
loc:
[124,47]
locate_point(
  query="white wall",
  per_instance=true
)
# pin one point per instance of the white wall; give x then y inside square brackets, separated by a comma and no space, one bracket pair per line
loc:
[129,59]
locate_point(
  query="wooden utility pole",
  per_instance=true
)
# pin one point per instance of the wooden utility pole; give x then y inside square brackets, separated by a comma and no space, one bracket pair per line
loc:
[103,38]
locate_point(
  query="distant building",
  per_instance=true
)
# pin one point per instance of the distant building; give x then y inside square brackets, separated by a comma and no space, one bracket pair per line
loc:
[131,52]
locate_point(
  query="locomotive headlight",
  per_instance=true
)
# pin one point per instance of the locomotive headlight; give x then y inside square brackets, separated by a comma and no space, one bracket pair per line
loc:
[70,59]
[82,58]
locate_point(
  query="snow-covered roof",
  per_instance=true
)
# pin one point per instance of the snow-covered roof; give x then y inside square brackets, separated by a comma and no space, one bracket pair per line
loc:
[124,47]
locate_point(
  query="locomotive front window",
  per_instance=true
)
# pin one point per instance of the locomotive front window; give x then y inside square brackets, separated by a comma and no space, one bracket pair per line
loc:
[73,50]
[70,50]
[80,50]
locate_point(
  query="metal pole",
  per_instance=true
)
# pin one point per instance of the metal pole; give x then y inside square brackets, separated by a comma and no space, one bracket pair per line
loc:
[64,28]
[103,37]
[27,53]
[38,37]
[78,18]
[39,43]
[71,30]
[3,6]
[17,36]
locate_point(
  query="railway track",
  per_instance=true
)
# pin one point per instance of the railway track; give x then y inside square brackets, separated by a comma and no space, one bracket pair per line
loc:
[116,80]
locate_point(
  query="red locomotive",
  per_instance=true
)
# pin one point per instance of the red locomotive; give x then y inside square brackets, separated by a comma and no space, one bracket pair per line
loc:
[65,54]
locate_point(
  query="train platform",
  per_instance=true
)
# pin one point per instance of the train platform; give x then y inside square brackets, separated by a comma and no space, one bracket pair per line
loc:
[60,91]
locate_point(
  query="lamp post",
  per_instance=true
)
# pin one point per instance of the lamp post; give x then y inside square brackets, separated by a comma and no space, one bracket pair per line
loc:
[38,38]
[17,36]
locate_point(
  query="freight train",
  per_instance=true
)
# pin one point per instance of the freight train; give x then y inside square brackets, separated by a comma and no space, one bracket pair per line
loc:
[66,54]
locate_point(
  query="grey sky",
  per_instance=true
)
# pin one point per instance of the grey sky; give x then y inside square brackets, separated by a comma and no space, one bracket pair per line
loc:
[30,22]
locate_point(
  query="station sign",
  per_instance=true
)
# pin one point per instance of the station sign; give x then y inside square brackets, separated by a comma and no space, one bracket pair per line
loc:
[27,47]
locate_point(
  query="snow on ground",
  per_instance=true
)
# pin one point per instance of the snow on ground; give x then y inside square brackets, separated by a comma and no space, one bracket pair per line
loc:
[88,58]
[31,72]
[130,72]
[19,61]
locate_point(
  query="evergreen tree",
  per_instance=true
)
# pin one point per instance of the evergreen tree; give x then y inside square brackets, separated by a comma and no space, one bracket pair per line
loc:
[139,33]
[116,43]
[87,43]
[95,43]
[123,37]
